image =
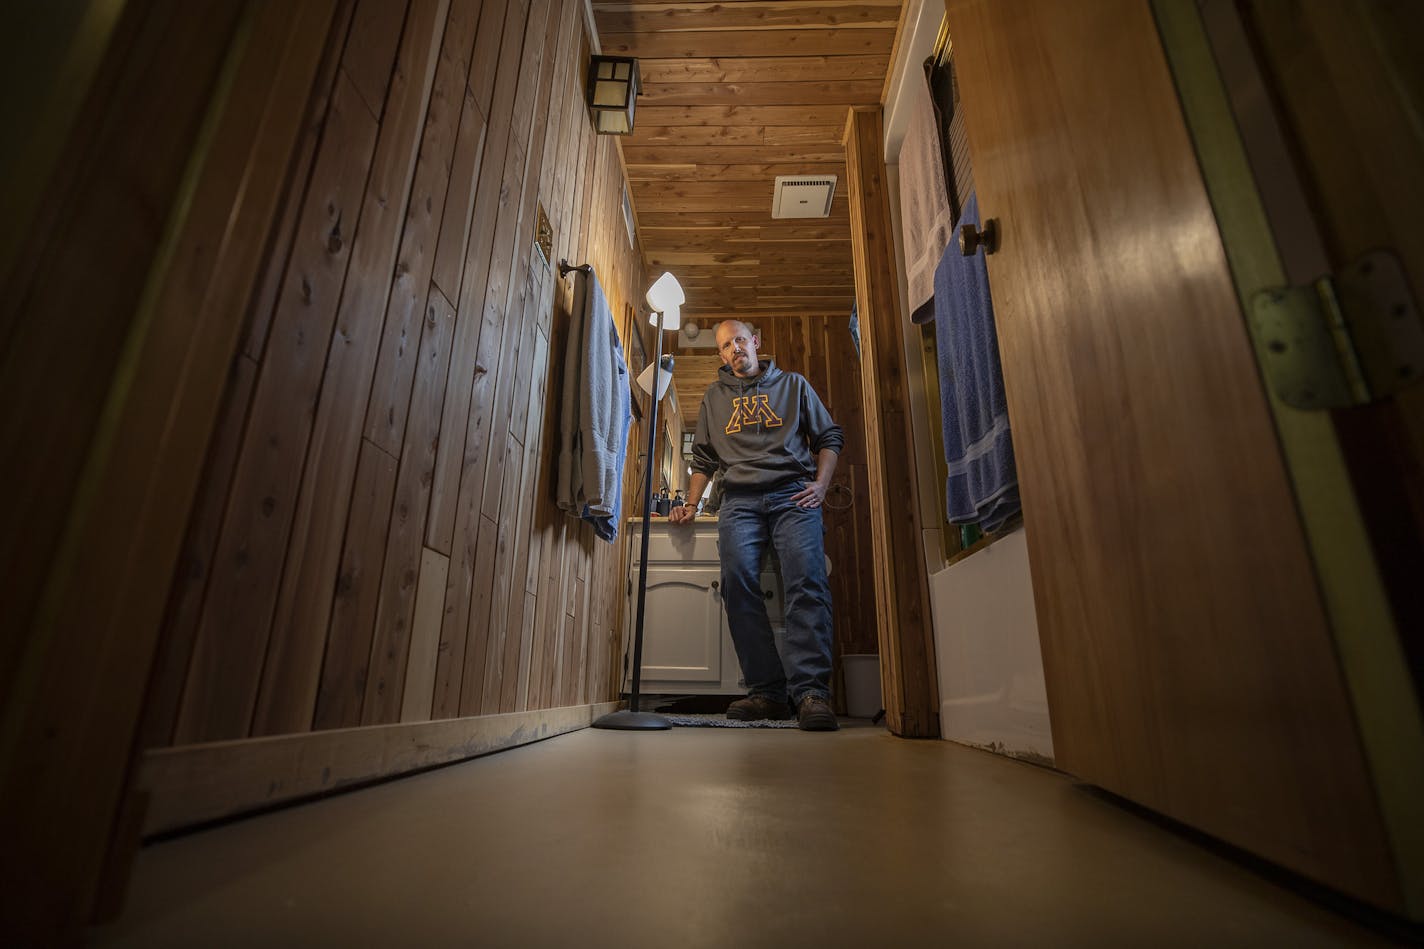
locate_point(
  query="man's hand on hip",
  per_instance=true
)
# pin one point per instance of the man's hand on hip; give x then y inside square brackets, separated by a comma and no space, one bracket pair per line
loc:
[810,496]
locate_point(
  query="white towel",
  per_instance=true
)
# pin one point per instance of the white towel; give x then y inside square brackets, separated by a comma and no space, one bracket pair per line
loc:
[926,220]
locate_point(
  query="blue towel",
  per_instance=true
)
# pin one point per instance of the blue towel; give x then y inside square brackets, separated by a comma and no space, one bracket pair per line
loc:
[596,413]
[982,487]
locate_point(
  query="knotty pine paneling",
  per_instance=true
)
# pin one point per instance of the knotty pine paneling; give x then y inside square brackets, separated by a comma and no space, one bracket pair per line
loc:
[376,538]
[716,44]
[244,568]
[766,68]
[641,17]
[291,672]
[189,585]
[735,94]
[409,376]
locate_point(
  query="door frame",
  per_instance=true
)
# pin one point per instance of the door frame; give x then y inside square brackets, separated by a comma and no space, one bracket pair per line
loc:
[905,625]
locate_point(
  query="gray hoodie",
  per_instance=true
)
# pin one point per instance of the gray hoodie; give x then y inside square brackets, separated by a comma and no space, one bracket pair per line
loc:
[762,432]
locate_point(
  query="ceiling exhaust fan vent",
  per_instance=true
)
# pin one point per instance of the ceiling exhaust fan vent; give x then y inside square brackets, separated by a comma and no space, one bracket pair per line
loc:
[803,196]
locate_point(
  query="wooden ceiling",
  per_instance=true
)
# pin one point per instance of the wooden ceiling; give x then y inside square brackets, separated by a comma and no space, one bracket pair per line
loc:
[735,93]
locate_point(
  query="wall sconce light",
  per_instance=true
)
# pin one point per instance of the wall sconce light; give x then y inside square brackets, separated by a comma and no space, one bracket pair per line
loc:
[613,87]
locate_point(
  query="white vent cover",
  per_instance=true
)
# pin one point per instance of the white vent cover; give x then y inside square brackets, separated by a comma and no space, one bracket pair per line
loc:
[803,195]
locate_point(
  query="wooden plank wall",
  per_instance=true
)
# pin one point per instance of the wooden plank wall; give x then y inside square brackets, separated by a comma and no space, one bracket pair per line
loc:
[821,349]
[673,421]
[72,289]
[375,539]
[156,216]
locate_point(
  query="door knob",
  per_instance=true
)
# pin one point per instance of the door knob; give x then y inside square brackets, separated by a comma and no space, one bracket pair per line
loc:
[972,238]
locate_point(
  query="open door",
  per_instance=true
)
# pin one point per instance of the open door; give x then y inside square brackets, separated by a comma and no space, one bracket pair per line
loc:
[1202,657]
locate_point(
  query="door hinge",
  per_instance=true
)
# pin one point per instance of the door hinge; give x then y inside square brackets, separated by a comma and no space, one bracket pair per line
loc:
[1346,339]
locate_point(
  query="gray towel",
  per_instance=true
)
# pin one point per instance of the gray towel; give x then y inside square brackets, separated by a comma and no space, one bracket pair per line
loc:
[595,413]
[982,487]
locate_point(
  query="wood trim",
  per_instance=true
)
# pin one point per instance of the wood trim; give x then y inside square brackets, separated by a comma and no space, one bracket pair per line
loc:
[196,784]
[901,586]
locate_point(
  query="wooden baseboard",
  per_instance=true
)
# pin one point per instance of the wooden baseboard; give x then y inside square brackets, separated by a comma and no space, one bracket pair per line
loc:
[195,784]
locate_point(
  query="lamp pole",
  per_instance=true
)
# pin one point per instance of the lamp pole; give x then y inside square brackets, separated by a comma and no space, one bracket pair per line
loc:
[631,719]
[647,522]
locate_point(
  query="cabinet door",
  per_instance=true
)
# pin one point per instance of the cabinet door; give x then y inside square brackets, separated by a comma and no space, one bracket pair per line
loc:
[1188,655]
[682,629]
[772,592]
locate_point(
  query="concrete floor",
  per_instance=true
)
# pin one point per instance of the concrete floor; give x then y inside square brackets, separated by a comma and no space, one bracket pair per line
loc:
[712,837]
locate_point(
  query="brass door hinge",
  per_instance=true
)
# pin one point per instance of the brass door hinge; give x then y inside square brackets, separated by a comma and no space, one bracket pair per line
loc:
[1346,339]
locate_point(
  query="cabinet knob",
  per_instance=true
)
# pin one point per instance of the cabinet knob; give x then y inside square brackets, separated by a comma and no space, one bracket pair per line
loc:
[972,238]
[767,594]
[714,584]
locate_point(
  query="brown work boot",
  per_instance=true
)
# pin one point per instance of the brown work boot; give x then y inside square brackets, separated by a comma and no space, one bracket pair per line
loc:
[757,707]
[815,714]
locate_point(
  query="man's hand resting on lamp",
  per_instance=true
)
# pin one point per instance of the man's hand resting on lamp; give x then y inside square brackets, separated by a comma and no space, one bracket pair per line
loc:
[695,489]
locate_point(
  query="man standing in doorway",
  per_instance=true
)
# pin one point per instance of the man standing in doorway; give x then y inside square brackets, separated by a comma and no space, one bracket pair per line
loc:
[770,435]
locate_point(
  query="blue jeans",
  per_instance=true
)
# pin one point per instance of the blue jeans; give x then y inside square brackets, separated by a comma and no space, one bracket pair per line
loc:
[745,522]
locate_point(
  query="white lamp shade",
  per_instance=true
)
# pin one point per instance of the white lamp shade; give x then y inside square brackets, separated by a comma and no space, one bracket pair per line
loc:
[672,319]
[665,296]
[645,378]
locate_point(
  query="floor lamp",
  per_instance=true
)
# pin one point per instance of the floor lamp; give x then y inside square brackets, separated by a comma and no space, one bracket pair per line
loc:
[665,297]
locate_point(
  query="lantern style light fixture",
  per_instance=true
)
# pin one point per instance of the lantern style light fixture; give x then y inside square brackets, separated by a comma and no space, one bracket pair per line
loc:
[613,87]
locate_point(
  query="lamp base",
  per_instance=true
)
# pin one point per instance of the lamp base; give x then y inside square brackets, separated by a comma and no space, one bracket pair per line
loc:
[628,720]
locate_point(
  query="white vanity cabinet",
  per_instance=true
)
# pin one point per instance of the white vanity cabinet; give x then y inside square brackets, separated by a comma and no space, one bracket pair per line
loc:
[686,645]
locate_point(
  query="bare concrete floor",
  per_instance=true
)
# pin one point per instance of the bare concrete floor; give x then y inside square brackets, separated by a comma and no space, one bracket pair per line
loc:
[712,838]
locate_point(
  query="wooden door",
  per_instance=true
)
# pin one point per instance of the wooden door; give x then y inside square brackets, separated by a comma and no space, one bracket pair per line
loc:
[1347,84]
[1188,650]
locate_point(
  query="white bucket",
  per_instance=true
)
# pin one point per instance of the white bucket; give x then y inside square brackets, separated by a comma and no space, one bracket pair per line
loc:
[862,685]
